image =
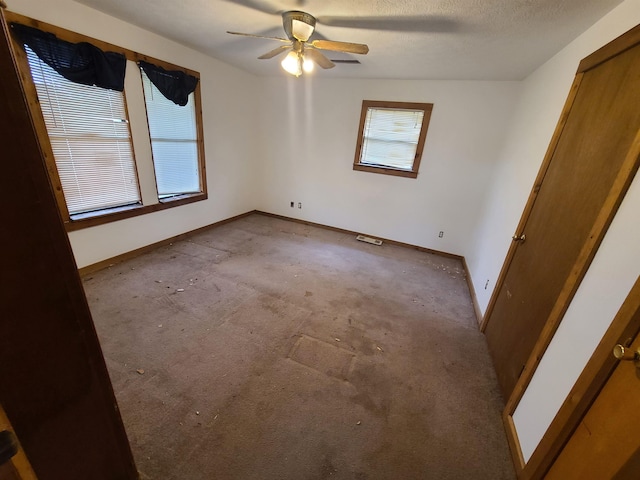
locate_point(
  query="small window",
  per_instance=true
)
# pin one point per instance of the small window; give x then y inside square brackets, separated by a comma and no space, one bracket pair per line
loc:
[90,138]
[174,142]
[391,137]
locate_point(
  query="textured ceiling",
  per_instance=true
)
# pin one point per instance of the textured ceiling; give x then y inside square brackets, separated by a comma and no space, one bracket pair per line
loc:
[408,39]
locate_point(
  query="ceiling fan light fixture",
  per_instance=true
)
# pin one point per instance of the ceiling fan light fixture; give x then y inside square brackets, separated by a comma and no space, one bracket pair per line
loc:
[305,53]
[292,63]
[307,65]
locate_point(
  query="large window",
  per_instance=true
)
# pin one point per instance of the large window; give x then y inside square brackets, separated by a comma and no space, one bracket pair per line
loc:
[391,137]
[102,158]
[89,134]
[174,142]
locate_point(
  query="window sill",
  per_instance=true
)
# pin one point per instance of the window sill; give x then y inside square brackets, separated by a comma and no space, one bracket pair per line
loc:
[178,198]
[101,217]
[385,170]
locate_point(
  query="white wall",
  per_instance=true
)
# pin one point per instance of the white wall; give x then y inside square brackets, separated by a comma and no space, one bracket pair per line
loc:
[228,102]
[617,263]
[308,131]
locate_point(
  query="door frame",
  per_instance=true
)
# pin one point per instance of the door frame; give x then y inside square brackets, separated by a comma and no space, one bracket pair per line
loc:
[619,188]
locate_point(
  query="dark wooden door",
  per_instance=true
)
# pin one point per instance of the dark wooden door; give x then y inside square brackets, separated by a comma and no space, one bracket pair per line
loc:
[565,209]
[54,385]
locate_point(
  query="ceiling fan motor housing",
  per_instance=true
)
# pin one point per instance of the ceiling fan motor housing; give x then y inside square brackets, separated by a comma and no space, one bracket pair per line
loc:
[306,18]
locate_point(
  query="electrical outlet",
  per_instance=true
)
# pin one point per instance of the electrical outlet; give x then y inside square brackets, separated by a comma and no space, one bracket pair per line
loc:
[441,234]
[291,204]
[299,204]
[486,284]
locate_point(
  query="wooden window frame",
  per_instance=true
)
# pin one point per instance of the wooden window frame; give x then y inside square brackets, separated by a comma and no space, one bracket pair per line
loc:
[100,217]
[52,85]
[171,198]
[413,173]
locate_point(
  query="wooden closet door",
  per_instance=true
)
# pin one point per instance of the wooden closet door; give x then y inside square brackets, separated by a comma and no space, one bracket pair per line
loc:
[566,208]
[54,385]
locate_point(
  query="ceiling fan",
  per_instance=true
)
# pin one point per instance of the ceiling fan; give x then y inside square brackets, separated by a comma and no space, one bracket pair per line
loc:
[299,26]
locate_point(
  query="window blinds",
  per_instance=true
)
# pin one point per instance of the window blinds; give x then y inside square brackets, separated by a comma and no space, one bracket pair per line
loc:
[90,138]
[174,142]
[391,137]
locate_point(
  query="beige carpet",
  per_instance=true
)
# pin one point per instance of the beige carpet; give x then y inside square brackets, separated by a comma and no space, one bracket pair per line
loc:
[266,349]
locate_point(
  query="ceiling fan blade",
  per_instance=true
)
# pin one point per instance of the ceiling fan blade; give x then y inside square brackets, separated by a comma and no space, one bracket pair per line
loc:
[275,52]
[259,36]
[340,46]
[319,58]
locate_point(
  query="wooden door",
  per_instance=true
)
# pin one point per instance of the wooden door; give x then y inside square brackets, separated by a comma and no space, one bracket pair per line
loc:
[606,443]
[54,385]
[583,179]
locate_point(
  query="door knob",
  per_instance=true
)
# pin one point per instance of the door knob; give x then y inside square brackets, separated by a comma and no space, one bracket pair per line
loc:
[622,353]
[8,446]
[520,238]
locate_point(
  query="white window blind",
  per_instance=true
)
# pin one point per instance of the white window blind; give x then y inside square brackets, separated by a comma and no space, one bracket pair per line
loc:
[90,138]
[390,137]
[174,142]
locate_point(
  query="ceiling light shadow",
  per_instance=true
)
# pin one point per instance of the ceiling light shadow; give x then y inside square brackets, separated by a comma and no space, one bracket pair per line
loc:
[238,44]
[260,6]
[424,24]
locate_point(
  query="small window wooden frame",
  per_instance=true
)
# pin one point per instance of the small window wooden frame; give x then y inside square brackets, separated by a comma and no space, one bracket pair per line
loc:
[388,170]
[85,220]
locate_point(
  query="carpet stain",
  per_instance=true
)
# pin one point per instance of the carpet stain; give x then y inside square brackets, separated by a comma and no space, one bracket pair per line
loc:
[322,356]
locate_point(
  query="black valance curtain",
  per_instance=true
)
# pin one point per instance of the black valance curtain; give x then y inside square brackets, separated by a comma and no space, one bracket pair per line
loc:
[78,62]
[175,85]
